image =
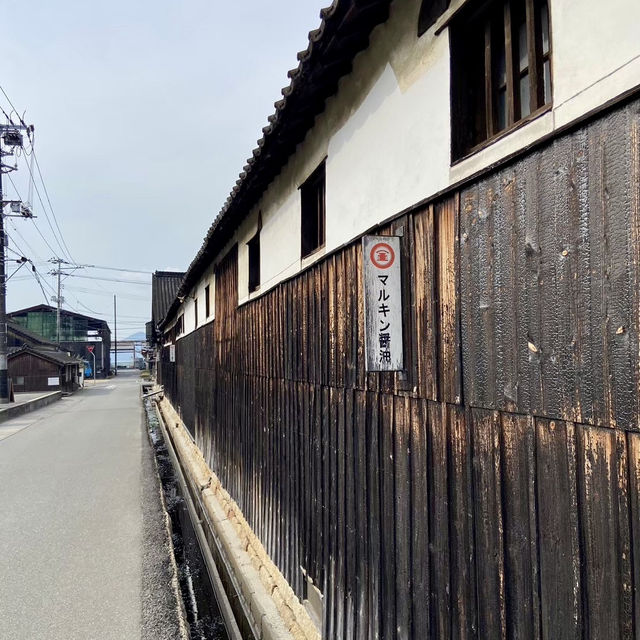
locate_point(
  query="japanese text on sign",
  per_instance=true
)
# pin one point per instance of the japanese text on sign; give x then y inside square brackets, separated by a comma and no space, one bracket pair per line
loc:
[383,303]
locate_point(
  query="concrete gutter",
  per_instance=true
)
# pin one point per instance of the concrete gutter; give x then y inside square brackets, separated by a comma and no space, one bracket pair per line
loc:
[276,611]
[19,408]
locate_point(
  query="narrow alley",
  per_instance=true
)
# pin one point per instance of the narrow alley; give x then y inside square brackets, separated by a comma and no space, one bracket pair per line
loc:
[83,550]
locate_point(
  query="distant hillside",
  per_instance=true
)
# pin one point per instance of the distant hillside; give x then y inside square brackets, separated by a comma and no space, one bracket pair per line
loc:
[136,336]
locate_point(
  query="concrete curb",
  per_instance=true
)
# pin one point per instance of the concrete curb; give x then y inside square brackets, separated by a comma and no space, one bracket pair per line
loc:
[273,605]
[31,405]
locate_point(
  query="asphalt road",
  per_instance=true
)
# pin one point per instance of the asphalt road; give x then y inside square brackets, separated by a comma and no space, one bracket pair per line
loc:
[83,547]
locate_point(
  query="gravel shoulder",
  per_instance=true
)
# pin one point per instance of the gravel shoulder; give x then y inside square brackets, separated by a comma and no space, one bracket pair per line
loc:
[162,613]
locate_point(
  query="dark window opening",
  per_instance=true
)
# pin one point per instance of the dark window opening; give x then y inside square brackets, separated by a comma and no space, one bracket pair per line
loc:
[254,262]
[195,306]
[313,211]
[500,69]
[207,301]
[430,11]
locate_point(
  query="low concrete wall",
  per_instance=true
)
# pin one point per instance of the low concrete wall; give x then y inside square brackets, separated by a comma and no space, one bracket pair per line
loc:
[275,609]
[14,410]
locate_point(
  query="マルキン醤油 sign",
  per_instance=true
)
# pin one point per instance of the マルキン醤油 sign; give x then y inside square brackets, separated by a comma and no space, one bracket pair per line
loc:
[382,303]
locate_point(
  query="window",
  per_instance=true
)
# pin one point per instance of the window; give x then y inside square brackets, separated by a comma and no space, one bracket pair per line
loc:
[313,211]
[500,69]
[207,301]
[195,306]
[254,262]
[180,325]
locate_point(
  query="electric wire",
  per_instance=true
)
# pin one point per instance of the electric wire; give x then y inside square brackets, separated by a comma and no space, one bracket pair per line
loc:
[95,266]
[22,238]
[55,253]
[46,193]
[61,241]
[59,237]
[144,284]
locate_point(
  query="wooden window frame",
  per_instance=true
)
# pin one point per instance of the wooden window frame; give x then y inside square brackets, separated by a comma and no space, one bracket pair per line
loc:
[253,247]
[494,26]
[313,212]
[207,301]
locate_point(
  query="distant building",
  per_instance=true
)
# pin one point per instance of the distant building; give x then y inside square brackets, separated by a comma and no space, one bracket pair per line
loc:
[44,369]
[77,332]
[164,288]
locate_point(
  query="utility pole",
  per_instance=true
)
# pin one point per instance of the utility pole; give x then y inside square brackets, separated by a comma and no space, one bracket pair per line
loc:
[4,366]
[10,136]
[115,337]
[58,299]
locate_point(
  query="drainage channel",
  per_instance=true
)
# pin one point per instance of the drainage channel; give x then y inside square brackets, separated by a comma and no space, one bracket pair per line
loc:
[207,608]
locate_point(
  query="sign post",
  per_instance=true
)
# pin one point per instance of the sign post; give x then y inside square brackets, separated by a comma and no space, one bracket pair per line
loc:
[382,303]
[90,350]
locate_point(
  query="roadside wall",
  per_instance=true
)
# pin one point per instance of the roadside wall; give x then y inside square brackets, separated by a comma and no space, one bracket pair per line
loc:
[493,488]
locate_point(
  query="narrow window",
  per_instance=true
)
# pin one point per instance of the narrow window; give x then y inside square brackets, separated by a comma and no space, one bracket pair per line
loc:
[313,211]
[195,306]
[500,69]
[254,262]
[207,301]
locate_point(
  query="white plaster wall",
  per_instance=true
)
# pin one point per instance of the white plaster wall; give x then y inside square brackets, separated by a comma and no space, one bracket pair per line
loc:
[385,158]
[198,292]
[188,308]
[386,133]
[591,39]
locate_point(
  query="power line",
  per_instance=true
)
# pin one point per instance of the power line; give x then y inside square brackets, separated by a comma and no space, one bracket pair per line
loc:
[11,105]
[61,241]
[23,239]
[95,266]
[144,284]
[32,219]
[102,293]
[46,193]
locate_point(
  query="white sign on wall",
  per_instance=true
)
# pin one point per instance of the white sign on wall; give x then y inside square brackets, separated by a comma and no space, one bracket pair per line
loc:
[382,303]
[53,382]
[172,353]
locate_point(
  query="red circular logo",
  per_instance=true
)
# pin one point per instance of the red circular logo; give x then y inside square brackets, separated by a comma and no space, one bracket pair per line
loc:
[382,255]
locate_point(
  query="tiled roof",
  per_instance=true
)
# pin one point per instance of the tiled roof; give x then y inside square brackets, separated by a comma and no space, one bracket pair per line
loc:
[94,323]
[58,357]
[344,31]
[164,288]
[27,336]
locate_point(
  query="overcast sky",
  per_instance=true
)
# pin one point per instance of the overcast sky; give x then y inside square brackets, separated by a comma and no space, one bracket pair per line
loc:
[145,112]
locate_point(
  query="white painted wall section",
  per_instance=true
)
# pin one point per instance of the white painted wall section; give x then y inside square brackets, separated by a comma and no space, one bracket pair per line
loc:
[386,132]
[392,151]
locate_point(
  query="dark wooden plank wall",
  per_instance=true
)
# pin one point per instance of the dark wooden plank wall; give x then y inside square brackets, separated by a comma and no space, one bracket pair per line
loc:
[419,516]
[550,278]
[36,373]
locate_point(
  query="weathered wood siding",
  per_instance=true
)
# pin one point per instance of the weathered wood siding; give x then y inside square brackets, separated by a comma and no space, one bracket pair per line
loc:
[36,373]
[550,276]
[421,506]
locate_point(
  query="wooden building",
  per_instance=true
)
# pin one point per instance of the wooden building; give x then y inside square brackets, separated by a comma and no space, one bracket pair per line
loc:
[44,369]
[490,488]
[77,332]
